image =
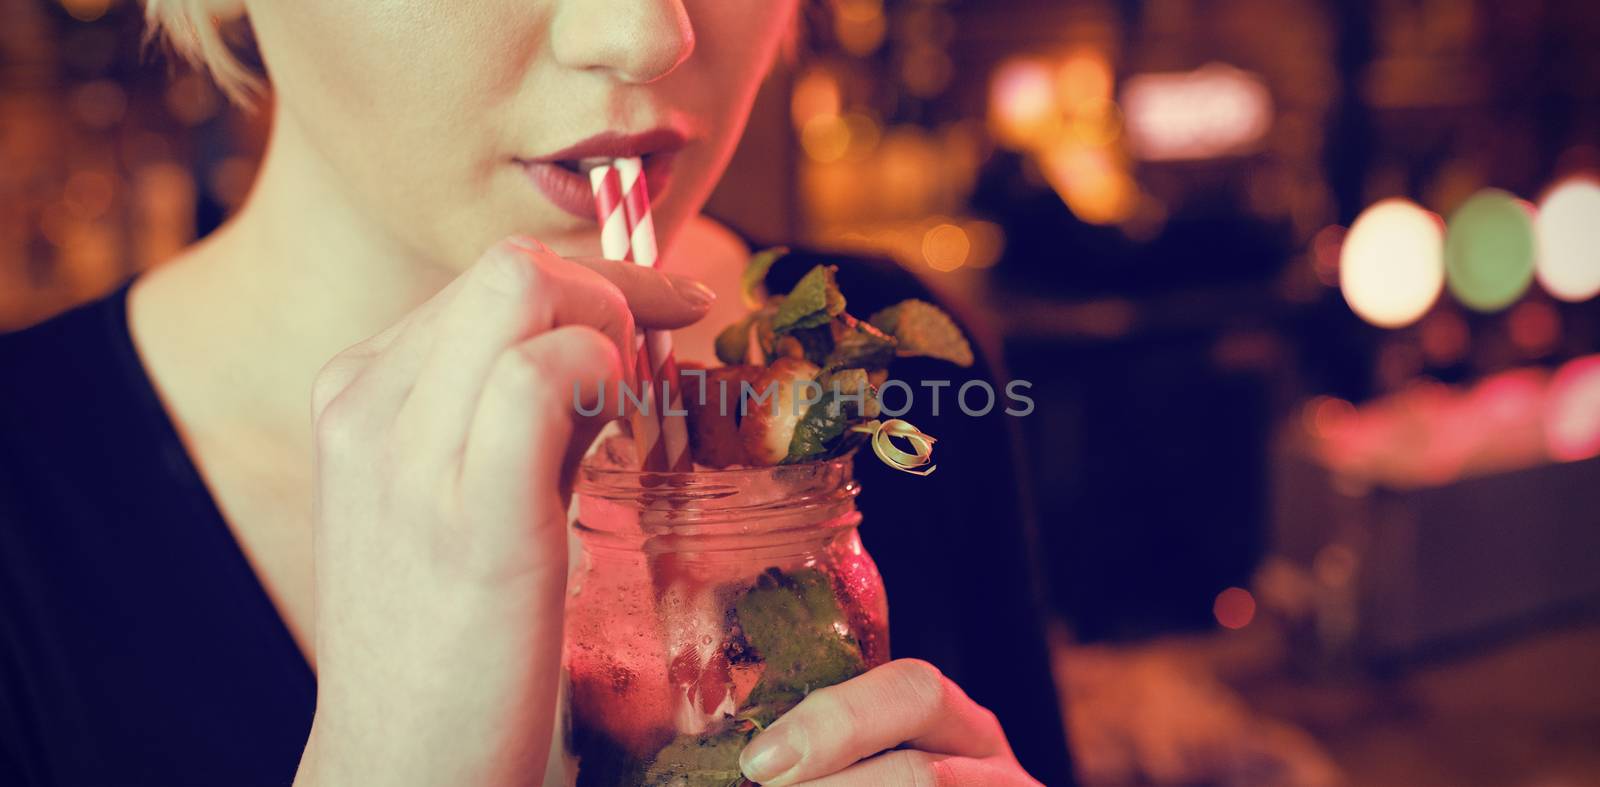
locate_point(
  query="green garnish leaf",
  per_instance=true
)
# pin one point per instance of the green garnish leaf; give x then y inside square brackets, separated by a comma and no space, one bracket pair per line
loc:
[820,425]
[814,301]
[860,344]
[733,344]
[755,273]
[924,329]
[793,619]
[699,760]
[766,337]
[816,342]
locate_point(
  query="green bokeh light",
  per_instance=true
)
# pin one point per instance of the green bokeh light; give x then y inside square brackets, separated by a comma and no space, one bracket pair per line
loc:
[1488,251]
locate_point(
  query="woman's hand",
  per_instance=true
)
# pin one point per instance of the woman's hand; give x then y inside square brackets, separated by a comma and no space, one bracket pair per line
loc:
[445,446]
[840,736]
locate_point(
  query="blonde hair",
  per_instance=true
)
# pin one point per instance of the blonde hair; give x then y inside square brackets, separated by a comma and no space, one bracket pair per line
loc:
[196,32]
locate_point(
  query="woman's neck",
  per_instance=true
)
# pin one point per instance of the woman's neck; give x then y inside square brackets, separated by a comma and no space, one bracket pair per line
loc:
[255,309]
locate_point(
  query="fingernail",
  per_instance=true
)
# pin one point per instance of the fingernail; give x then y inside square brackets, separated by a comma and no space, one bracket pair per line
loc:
[768,757]
[528,243]
[697,294]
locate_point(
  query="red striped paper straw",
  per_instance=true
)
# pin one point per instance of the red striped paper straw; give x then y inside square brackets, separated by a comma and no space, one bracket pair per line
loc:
[627,232]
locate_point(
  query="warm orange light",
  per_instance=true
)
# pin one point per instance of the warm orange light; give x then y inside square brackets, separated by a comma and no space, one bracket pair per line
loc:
[1084,78]
[926,70]
[859,26]
[1234,608]
[988,243]
[815,94]
[1090,183]
[1022,103]
[86,10]
[826,138]
[88,193]
[1391,264]
[945,247]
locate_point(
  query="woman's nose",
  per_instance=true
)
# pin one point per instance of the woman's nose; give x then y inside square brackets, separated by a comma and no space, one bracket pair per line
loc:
[638,40]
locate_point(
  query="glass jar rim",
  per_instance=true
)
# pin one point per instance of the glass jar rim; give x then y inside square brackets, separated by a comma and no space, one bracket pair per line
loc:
[590,472]
[747,499]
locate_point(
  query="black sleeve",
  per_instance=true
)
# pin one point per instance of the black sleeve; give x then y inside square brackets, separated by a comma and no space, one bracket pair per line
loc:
[955,548]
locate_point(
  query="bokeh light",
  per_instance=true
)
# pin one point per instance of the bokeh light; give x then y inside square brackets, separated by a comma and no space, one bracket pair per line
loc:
[926,70]
[1091,182]
[1391,265]
[86,10]
[826,138]
[859,26]
[945,247]
[1234,608]
[1444,337]
[1083,79]
[815,94]
[99,104]
[988,243]
[1572,413]
[1216,110]
[1022,102]
[1534,327]
[1488,251]
[1568,229]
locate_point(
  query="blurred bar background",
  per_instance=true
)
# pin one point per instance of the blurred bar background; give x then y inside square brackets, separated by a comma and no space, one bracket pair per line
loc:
[1306,289]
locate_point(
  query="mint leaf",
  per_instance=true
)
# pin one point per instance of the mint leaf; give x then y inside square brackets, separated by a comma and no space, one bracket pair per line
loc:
[814,301]
[921,328]
[699,760]
[820,425]
[755,273]
[817,343]
[733,344]
[794,620]
[859,344]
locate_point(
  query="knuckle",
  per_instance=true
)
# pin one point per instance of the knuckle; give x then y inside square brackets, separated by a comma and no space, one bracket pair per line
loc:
[589,343]
[338,426]
[518,371]
[922,683]
[915,769]
[830,709]
[331,380]
[939,773]
[511,271]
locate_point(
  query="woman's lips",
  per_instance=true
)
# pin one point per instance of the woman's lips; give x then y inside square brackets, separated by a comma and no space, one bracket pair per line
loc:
[568,188]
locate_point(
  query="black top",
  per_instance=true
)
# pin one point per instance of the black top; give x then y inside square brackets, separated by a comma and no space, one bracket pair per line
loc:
[137,646]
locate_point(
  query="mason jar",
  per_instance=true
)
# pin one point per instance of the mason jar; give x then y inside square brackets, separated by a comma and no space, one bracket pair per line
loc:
[703,605]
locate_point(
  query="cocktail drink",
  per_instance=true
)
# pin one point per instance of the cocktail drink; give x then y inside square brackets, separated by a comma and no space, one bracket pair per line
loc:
[720,578]
[702,606]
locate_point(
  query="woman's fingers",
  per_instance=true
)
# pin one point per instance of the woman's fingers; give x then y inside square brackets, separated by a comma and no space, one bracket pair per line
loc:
[513,293]
[903,702]
[658,299]
[910,768]
[524,430]
[385,365]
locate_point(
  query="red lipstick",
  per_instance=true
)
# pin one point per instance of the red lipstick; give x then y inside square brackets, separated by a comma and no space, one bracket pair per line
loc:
[562,178]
